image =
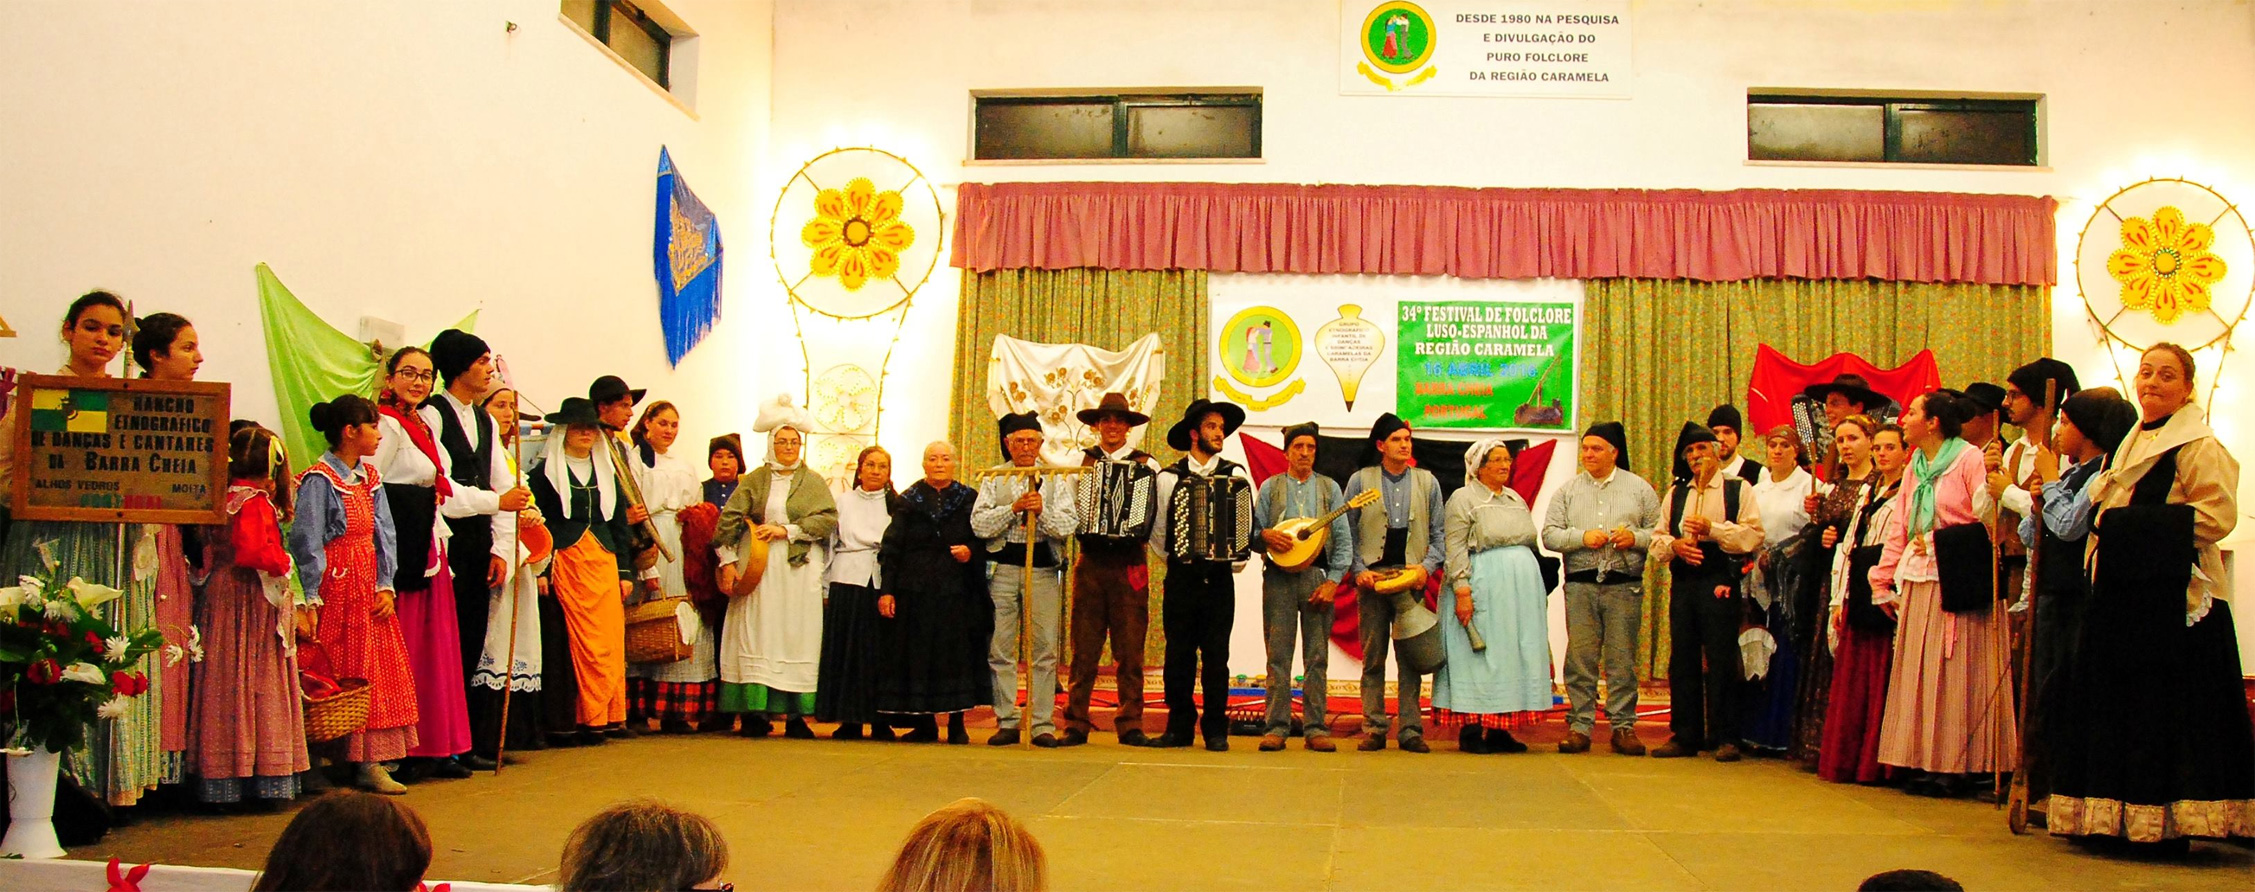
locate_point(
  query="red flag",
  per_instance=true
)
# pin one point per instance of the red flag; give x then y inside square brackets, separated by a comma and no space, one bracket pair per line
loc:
[1777,380]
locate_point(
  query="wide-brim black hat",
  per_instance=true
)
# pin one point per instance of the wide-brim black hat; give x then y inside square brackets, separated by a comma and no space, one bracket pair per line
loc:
[1985,396]
[610,388]
[1232,417]
[574,410]
[1113,404]
[1851,386]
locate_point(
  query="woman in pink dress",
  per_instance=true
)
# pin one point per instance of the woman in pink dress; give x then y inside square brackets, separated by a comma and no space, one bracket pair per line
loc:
[166,348]
[416,476]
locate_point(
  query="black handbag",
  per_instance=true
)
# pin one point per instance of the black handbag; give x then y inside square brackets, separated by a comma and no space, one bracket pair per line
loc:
[1965,562]
[1864,616]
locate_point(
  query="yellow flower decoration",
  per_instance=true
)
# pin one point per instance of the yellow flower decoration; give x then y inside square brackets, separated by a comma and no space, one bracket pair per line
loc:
[857,234]
[2164,265]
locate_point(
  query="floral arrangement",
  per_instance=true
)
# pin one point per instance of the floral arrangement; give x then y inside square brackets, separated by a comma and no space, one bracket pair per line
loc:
[62,666]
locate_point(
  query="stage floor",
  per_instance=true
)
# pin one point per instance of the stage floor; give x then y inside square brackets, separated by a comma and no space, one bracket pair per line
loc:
[828,815]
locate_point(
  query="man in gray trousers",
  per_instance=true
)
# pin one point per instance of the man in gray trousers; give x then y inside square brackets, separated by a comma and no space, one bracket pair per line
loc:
[1602,522]
[1299,601]
[999,517]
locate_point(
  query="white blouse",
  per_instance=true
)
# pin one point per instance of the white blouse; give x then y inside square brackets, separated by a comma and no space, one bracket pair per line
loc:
[862,521]
[668,485]
[1783,505]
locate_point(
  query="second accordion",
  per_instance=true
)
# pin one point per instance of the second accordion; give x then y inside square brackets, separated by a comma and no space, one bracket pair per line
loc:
[1210,518]
[1117,500]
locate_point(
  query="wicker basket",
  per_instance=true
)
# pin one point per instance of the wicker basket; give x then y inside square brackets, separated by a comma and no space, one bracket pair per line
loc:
[339,714]
[652,633]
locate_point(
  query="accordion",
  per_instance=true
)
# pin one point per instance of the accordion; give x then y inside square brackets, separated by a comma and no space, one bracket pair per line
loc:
[1117,500]
[1210,519]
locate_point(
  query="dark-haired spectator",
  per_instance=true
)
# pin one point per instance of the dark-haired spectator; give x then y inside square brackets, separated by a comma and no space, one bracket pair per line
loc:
[348,842]
[643,845]
[1909,881]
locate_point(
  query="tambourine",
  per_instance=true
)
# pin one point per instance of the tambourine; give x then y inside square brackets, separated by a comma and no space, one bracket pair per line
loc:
[751,564]
[1400,580]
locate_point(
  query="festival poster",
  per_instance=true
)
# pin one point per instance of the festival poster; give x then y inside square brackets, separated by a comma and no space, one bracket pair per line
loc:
[1486,366]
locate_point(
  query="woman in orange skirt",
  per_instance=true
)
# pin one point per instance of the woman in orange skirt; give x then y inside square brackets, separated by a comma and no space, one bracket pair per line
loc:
[578,495]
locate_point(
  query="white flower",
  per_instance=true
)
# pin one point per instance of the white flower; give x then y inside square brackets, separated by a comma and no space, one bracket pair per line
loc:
[195,645]
[11,598]
[60,610]
[173,654]
[86,672]
[91,595]
[113,650]
[31,585]
[115,708]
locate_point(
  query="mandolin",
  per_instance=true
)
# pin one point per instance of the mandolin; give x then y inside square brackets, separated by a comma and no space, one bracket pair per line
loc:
[1310,533]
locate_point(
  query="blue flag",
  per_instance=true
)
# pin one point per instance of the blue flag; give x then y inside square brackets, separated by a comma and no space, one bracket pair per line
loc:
[688,263]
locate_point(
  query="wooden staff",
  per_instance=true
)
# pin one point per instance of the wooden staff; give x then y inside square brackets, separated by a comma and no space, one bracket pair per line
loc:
[2016,803]
[1035,476]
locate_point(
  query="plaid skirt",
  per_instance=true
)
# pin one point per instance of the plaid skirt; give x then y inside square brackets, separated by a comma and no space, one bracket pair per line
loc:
[687,701]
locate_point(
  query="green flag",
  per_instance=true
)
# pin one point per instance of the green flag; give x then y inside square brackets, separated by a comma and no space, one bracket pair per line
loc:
[312,362]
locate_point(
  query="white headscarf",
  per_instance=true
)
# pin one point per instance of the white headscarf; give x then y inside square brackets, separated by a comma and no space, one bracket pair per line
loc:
[556,462]
[780,414]
[1478,455]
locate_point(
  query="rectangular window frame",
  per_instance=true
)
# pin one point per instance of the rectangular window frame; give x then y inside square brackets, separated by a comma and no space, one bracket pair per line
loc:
[639,19]
[1123,102]
[1892,105]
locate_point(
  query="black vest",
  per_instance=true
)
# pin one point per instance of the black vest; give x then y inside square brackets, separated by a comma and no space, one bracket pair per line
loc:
[472,467]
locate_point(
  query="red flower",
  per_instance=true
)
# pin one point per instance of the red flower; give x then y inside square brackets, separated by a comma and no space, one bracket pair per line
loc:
[44,672]
[121,681]
[94,641]
[140,684]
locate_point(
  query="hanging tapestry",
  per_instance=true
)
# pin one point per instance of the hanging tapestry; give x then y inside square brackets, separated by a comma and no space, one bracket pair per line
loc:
[688,263]
[1056,381]
[313,362]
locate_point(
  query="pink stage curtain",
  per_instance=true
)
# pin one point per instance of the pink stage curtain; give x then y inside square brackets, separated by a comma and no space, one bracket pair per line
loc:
[1509,233]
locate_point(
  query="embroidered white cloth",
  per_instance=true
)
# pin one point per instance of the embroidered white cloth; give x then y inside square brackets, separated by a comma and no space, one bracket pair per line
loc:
[1056,381]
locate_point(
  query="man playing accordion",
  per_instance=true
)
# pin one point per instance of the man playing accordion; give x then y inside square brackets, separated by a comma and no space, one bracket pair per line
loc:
[1205,528]
[1111,584]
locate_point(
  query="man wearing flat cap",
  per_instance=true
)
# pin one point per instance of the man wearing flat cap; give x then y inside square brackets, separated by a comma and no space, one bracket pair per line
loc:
[999,518]
[1727,424]
[1402,529]
[2014,471]
[1111,583]
[481,516]
[1601,522]
[1299,600]
[1204,500]
[1981,431]
[1709,524]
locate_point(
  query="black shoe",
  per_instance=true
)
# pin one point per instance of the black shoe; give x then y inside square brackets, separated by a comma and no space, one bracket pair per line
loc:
[446,768]
[1169,740]
[921,735]
[1371,743]
[1217,744]
[1501,741]
[1415,745]
[1473,739]
[476,762]
[1073,738]
[564,740]
[592,737]
[1046,741]
[882,733]
[1004,737]
[956,734]
[796,729]
[847,732]
[620,732]
[756,726]
[675,726]
[1134,737]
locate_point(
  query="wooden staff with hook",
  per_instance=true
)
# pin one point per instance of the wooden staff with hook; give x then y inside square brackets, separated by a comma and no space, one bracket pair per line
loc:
[1035,476]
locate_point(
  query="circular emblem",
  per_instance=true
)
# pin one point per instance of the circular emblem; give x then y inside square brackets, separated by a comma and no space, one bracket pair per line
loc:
[855,232]
[1397,37]
[1260,346]
[845,398]
[2166,260]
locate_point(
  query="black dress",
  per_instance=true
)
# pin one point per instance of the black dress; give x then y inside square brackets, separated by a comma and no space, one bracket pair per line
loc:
[933,655]
[852,645]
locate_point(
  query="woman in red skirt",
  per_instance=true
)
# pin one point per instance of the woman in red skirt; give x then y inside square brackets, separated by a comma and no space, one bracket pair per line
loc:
[1863,636]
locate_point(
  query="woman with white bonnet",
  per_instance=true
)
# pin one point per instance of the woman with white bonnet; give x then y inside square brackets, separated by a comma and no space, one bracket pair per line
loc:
[771,640]
[1494,590]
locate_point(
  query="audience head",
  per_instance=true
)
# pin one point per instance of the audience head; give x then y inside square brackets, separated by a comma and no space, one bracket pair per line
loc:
[348,841]
[643,845]
[969,846]
[873,469]
[1909,881]
[408,377]
[165,347]
[348,423]
[2164,382]
[94,331]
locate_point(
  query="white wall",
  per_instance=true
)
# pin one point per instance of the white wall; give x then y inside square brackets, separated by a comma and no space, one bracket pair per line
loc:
[2132,90]
[407,161]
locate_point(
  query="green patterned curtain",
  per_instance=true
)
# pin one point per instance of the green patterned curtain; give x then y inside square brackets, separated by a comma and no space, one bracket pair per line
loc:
[1661,352]
[1102,308]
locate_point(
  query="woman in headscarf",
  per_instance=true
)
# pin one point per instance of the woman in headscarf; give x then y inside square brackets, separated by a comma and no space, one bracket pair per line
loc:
[679,694]
[771,641]
[1495,589]
[939,619]
[514,629]
[850,622]
[1776,589]
[592,572]
[2155,745]
[1949,703]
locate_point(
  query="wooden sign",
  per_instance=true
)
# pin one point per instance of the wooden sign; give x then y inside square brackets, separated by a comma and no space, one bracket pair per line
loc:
[119,450]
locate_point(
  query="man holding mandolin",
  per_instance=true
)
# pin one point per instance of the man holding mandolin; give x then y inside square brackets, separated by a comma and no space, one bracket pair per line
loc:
[1302,521]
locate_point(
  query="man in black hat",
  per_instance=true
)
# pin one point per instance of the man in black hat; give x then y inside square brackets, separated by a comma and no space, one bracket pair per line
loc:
[1403,529]
[1981,431]
[1601,522]
[1298,603]
[614,404]
[1709,523]
[2014,471]
[1111,582]
[481,516]
[1726,424]
[1846,395]
[999,516]
[1201,500]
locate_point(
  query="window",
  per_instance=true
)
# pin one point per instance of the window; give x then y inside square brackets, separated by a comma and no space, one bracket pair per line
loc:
[1890,129]
[1118,126]
[640,41]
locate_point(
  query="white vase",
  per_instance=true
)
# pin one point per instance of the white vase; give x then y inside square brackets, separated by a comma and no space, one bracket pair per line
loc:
[31,806]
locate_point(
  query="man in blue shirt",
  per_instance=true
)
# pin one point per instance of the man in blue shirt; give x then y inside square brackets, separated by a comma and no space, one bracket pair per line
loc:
[1299,599]
[1402,529]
